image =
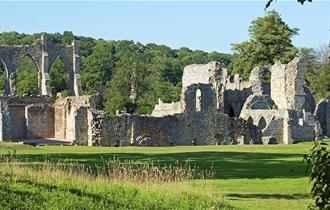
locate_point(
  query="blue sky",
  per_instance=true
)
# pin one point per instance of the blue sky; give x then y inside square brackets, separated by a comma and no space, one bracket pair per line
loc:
[208,26]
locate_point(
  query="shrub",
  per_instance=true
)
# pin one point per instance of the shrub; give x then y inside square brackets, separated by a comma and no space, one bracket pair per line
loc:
[318,169]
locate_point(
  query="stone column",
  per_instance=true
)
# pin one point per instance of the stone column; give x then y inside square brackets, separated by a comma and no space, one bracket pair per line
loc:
[287,130]
[12,83]
[45,79]
[76,69]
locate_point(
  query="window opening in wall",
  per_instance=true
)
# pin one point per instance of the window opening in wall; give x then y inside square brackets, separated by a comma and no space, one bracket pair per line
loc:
[262,123]
[231,112]
[198,100]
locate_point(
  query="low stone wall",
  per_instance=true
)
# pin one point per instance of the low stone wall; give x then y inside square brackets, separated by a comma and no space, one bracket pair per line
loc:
[181,129]
[13,114]
[39,121]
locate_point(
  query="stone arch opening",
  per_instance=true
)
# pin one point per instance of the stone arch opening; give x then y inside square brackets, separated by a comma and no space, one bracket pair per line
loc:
[26,80]
[250,120]
[262,123]
[3,78]
[219,138]
[59,77]
[260,105]
[144,140]
[231,112]
[198,100]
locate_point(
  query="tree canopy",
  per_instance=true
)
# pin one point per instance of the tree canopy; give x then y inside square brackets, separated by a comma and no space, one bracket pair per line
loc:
[299,1]
[271,40]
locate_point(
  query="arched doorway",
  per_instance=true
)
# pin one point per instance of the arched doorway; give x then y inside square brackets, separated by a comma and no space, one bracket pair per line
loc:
[262,123]
[231,112]
[58,77]
[250,120]
[27,77]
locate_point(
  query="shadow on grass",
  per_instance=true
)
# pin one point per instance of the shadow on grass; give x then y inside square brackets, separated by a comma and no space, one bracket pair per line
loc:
[227,165]
[53,187]
[270,196]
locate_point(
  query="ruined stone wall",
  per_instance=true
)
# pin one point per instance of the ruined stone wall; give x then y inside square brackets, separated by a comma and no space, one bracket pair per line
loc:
[39,121]
[322,114]
[287,84]
[236,93]
[200,124]
[81,126]
[273,133]
[43,53]
[194,129]
[201,73]
[74,119]
[163,109]
[127,129]
[60,122]
[14,123]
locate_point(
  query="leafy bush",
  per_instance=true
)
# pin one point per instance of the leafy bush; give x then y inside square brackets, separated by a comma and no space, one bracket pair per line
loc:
[318,168]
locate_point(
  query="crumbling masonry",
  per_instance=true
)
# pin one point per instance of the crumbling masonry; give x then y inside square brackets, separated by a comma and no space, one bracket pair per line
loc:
[214,107]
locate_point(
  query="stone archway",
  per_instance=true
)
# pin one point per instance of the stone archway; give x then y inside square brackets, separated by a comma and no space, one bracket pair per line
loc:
[231,112]
[44,53]
[262,123]
[59,76]
[27,78]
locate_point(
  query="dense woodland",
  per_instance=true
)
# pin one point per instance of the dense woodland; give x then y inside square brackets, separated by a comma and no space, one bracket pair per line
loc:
[112,67]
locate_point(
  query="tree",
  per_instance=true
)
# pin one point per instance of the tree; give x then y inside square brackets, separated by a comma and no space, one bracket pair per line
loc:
[270,41]
[318,168]
[317,77]
[58,76]
[119,89]
[98,67]
[300,1]
[27,77]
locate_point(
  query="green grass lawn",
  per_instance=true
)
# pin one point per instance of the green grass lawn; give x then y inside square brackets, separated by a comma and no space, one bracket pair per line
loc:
[249,176]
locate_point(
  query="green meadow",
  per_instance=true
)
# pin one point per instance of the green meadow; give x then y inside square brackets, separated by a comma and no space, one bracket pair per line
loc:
[246,177]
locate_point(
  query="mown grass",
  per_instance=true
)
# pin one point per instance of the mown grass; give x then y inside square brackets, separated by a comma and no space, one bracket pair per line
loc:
[247,176]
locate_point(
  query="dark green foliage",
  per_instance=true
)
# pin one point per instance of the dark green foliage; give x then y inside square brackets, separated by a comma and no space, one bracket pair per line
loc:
[270,41]
[157,73]
[58,76]
[318,168]
[27,77]
[318,71]
[98,67]
[299,1]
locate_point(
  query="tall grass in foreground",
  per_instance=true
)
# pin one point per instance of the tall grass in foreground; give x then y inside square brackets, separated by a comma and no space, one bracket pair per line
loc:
[115,185]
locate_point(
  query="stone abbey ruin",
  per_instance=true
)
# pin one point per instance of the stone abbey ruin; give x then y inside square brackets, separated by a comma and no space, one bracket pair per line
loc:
[214,107]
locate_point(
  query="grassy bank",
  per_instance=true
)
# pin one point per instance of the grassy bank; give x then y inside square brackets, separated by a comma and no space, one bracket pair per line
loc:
[48,186]
[247,176]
